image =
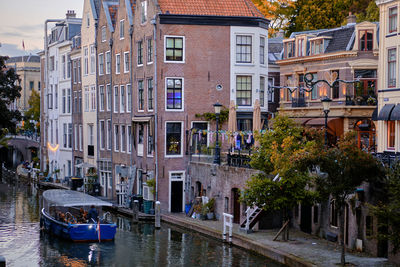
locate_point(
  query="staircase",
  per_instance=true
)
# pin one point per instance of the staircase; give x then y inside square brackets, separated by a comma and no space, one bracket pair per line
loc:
[254,216]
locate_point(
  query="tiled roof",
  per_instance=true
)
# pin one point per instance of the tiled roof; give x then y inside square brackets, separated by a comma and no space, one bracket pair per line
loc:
[241,8]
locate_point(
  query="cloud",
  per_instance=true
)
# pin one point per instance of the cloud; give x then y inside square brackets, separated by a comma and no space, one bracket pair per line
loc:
[12,50]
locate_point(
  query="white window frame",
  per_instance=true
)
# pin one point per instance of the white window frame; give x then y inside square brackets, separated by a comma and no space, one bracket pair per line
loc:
[140,147]
[147,143]
[128,97]
[102,135]
[101,97]
[245,34]
[116,98]
[103,34]
[107,60]
[122,148]
[108,97]
[116,142]
[129,138]
[117,63]
[87,102]
[148,56]
[109,132]
[165,140]
[101,66]
[183,48]
[126,63]
[80,137]
[166,92]
[121,29]
[92,59]
[86,61]
[122,99]
[143,12]
[265,50]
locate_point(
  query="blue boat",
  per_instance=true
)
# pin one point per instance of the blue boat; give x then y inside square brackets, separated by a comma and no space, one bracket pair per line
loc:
[63,215]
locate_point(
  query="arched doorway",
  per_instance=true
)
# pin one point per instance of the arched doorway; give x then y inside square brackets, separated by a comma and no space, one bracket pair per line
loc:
[365,129]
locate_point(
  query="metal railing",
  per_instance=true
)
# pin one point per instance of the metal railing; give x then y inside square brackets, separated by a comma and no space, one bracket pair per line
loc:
[239,159]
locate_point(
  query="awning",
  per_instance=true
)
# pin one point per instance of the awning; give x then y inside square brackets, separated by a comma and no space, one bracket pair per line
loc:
[375,114]
[301,121]
[85,165]
[70,198]
[395,116]
[141,119]
[384,114]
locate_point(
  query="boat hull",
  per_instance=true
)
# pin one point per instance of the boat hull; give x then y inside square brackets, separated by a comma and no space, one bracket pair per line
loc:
[78,232]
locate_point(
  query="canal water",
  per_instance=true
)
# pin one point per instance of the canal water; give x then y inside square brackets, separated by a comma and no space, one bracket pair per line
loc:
[22,243]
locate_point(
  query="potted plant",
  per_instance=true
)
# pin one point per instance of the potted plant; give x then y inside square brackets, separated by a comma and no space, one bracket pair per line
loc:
[204,210]
[371,101]
[210,209]
[197,210]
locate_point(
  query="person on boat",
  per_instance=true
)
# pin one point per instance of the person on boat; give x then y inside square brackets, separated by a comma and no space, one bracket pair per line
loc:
[82,215]
[93,214]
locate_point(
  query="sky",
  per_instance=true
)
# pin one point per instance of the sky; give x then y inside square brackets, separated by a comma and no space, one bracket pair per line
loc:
[23,20]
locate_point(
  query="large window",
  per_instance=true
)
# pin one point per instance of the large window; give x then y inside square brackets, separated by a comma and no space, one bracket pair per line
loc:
[69,101]
[101,100]
[391,134]
[93,98]
[150,94]
[392,67]
[366,40]
[262,50]
[392,19]
[108,62]
[63,66]
[129,97]
[243,49]
[300,47]
[70,135]
[173,138]
[109,95]
[126,62]
[149,50]
[140,95]
[143,12]
[174,49]
[65,135]
[101,64]
[243,90]
[140,53]
[174,93]
[262,91]
[200,138]
[116,106]
[314,92]
[117,63]
[129,136]
[334,218]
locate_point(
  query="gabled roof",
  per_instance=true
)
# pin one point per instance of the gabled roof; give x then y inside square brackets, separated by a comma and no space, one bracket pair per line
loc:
[240,8]
[130,6]
[110,9]
[95,6]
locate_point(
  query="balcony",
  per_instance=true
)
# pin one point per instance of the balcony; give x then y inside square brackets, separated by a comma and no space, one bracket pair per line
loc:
[361,100]
[236,158]
[299,102]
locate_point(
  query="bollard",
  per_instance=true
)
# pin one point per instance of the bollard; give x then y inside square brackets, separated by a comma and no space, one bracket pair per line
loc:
[135,215]
[2,261]
[158,215]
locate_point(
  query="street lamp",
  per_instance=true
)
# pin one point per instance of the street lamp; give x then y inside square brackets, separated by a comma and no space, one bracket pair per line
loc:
[217,156]
[326,104]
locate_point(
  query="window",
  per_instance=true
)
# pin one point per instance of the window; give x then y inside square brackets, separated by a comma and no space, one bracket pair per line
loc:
[51,63]
[129,129]
[391,134]
[150,139]
[101,100]
[108,100]
[140,140]
[86,61]
[122,100]
[317,47]
[51,131]
[108,62]
[80,138]
[143,12]
[314,92]
[90,134]
[262,50]
[243,90]
[56,96]
[109,135]
[174,93]
[140,95]
[74,72]
[102,132]
[80,101]
[69,101]
[335,88]
[150,94]
[86,98]
[366,40]
[121,29]
[243,49]
[65,135]
[149,50]
[116,106]
[64,98]
[200,137]
[70,135]
[126,62]
[300,47]
[392,19]
[129,98]
[38,86]
[75,106]
[117,63]
[103,34]
[392,67]
[333,214]
[92,98]
[68,67]
[63,67]
[123,138]
[262,91]
[140,53]
[289,49]
[271,83]
[79,71]
[101,64]
[173,138]
[174,49]
[116,137]
[87,20]
[92,59]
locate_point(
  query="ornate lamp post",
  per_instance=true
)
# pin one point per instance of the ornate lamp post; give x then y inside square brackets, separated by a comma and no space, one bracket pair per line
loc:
[217,156]
[326,104]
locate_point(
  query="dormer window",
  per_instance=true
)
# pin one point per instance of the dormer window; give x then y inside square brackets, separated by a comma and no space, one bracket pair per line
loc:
[392,19]
[317,47]
[300,47]
[289,49]
[366,40]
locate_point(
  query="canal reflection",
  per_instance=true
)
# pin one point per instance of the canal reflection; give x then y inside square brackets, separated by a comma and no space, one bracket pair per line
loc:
[22,243]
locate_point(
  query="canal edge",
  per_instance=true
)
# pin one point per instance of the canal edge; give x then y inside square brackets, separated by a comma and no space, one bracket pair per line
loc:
[243,242]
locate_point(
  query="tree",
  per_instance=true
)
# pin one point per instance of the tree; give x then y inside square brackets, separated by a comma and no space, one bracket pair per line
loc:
[9,92]
[281,184]
[33,113]
[388,210]
[347,167]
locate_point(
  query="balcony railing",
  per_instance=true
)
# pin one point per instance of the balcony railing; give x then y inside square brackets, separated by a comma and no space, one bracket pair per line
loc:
[361,100]
[236,158]
[298,102]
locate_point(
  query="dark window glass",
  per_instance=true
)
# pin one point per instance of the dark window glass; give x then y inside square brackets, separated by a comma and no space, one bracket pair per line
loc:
[173,136]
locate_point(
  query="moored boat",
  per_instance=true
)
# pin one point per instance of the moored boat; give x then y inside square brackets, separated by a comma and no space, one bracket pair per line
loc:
[64,214]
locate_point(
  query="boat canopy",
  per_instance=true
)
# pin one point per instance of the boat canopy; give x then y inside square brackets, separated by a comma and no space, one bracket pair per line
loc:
[70,198]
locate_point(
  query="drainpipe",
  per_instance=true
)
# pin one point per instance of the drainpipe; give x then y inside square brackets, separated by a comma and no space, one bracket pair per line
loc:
[154,22]
[131,82]
[111,117]
[46,78]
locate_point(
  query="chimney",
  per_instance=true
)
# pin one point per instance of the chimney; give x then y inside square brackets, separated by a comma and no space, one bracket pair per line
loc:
[351,19]
[70,14]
